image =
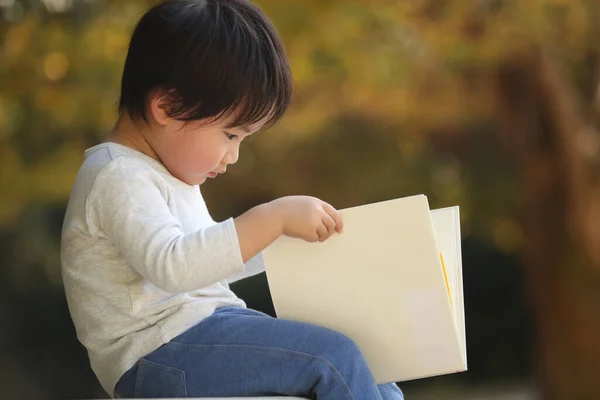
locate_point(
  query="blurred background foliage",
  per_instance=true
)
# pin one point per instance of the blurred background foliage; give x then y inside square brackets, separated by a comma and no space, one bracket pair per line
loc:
[393,98]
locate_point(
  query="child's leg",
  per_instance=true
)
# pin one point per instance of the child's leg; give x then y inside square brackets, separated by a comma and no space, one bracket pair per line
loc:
[238,352]
[390,392]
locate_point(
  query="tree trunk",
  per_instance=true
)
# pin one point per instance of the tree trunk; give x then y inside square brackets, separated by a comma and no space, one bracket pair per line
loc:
[560,202]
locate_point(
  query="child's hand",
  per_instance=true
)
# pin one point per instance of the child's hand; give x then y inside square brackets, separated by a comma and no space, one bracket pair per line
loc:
[306,217]
[301,217]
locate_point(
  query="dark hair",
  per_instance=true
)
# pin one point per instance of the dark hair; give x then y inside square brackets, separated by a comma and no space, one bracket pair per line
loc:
[210,58]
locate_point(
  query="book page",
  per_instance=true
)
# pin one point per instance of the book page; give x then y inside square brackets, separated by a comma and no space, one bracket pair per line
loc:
[446,222]
[443,224]
[380,283]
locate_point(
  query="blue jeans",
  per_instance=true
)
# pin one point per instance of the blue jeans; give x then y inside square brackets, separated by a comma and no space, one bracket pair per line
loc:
[239,352]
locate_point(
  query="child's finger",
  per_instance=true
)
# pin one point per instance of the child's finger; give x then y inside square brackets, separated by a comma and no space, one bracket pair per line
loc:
[329,223]
[322,232]
[333,213]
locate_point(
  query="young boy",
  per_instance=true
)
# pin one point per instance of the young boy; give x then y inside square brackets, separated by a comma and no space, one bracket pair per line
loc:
[146,269]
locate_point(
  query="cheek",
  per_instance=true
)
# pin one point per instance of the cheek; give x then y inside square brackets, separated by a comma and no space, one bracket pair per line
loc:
[202,161]
[203,156]
[185,159]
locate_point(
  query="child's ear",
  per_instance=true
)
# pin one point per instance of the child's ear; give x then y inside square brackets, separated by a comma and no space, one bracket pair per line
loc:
[159,107]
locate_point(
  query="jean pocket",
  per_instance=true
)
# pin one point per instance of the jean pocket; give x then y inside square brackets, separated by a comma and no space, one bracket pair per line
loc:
[156,380]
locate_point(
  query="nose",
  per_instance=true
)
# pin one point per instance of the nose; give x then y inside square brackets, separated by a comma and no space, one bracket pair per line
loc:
[232,155]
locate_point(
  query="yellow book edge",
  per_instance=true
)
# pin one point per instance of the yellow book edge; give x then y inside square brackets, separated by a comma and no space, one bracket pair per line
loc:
[446,278]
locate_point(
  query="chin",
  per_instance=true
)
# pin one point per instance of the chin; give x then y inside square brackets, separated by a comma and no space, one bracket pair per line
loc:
[192,181]
[196,181]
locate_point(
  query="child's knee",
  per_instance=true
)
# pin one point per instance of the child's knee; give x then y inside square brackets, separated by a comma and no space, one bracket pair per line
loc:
[341,366]
[341,349]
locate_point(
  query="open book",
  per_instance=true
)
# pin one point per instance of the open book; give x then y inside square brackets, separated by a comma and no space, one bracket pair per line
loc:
[392,281]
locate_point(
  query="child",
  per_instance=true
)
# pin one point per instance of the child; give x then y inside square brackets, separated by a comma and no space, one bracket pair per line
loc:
[146,269]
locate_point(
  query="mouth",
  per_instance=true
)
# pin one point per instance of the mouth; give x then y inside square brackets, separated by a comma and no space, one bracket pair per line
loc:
[212,174]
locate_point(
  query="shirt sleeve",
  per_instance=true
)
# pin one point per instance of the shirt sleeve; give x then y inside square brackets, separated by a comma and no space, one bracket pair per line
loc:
[128,206]
[254,266]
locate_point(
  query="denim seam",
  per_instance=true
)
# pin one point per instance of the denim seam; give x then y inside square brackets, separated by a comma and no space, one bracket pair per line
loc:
[139,380]
[294,353]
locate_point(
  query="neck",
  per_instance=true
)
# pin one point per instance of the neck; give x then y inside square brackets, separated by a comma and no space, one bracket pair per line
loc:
[131,134]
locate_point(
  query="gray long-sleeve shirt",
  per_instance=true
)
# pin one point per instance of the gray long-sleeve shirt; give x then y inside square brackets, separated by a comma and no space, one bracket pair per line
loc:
[142,259]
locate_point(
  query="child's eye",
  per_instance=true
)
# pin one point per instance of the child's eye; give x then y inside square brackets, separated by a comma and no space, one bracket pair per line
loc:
[231,136]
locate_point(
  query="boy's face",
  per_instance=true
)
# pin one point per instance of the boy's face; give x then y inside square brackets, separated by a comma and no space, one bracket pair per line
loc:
[195,151]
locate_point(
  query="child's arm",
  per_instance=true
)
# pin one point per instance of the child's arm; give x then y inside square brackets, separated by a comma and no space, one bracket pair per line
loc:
[127,206]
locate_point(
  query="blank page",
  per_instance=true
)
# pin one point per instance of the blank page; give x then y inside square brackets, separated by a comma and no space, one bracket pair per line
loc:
[446,223]
[380,283]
